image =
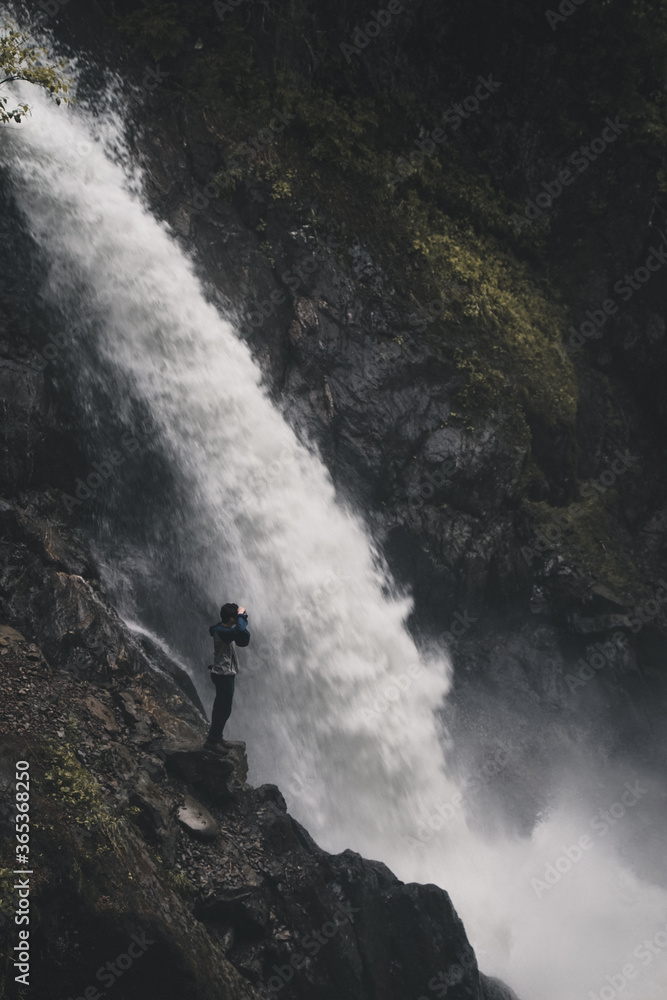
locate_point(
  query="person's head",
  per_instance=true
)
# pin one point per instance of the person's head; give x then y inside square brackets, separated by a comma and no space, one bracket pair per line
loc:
[229,612]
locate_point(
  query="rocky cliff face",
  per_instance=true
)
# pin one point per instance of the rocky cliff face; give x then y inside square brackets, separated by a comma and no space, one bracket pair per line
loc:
[415,317]
[155,869]
[452,367]
[508,460]
[152,861]
[507,449]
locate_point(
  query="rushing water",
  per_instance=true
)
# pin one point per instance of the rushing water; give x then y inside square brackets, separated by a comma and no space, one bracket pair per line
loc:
[204,494]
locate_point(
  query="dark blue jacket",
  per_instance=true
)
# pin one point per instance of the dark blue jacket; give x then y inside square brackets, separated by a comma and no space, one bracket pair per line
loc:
[225,661]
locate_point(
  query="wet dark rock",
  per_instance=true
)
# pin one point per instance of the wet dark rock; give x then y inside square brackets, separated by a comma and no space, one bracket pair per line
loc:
[211,775]
[153,820]
[101,712]
[446,496]
[494,989]
[246,908]
[238,891]
[128,708]
[175,671]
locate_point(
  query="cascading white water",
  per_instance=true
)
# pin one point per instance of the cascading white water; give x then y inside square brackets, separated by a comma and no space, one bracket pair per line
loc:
[249,514]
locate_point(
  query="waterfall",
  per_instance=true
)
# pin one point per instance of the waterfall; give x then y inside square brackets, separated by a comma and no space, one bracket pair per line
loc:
[201,493]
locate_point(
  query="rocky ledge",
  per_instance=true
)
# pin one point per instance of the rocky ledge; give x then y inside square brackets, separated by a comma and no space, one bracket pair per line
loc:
[153,861]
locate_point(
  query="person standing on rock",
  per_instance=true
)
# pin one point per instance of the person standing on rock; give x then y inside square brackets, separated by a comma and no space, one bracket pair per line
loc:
[232,628]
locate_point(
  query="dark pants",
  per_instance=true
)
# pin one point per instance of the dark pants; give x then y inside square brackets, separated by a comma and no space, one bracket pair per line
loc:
[222,706]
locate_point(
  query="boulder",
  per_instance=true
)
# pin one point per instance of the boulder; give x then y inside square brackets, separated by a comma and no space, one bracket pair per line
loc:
[213,776]
[197,819]
[101,712]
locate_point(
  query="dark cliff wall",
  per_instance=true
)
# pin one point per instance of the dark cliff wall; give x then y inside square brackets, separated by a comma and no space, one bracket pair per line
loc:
[445,246]
[406,309]
[413,320]
[154,867]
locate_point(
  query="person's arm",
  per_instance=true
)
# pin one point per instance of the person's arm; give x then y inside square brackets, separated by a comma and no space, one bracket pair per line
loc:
[241,633]
[237,633]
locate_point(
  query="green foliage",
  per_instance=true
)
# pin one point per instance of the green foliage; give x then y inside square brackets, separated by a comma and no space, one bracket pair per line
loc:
[514,323]
[590,542]
[20,59]
[172,880]
[502,328]
[439,228]
[340,131]
[77,792]
[180,883]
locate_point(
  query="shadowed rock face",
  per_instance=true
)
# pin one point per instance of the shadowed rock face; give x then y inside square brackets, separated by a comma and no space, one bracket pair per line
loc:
[448,502]
[147,845]
[155,851]
[229,898]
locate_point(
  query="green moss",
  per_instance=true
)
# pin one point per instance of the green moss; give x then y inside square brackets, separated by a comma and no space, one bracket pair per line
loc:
[503,326]
[439,228]
[492,301]
[77,792]
[175,881]
[586,534]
